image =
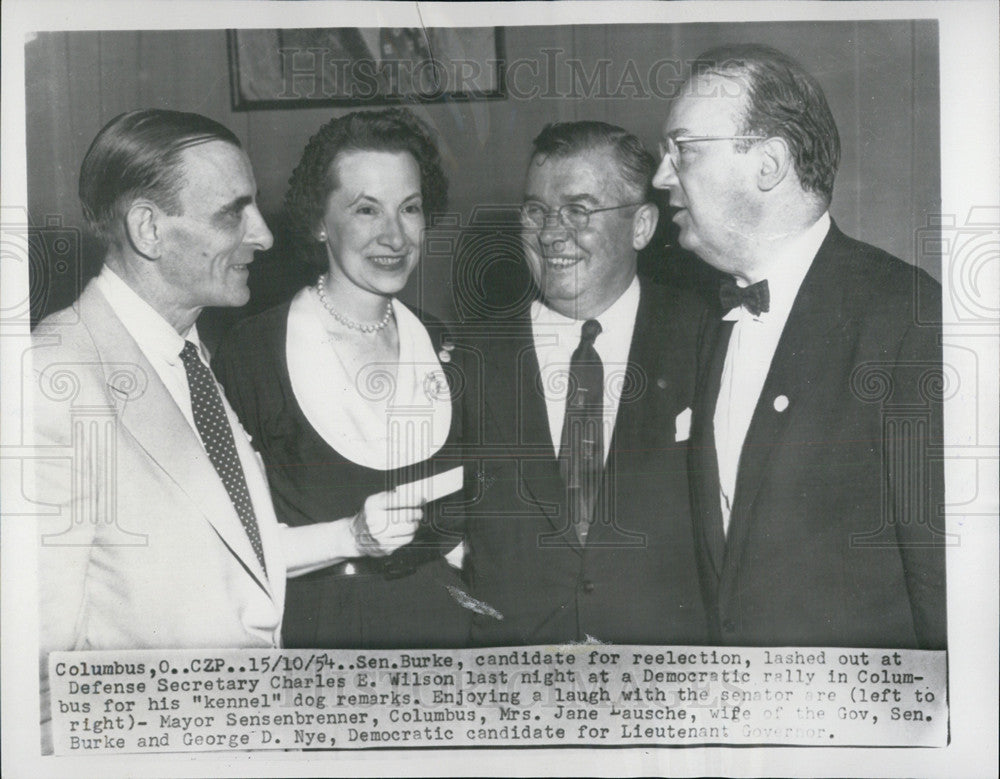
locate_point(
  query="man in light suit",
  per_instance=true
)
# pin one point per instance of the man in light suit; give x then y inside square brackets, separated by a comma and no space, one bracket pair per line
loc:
[816,468]
[159,529]
[576,415]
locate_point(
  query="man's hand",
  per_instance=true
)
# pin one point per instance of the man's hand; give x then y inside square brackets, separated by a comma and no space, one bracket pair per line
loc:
[384,524]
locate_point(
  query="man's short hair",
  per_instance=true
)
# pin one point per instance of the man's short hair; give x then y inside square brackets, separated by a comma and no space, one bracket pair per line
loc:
[782,100]
[567,139]
[137,155]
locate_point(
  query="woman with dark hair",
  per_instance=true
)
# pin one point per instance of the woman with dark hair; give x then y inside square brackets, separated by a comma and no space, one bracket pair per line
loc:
[343,391]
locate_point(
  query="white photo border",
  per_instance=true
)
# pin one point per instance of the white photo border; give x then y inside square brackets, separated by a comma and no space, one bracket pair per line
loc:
[970,165]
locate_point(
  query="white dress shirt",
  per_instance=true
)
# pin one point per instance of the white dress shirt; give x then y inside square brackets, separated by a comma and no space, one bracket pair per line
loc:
[305,548]
[158,341]
[751,348]
[556,338]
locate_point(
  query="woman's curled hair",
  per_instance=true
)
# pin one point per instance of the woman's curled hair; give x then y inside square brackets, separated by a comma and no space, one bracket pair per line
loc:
[391,130]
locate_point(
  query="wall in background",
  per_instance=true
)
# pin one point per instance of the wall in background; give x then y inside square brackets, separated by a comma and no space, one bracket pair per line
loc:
[881,79]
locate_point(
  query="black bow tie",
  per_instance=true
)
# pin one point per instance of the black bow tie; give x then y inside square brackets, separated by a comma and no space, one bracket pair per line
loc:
[756,298]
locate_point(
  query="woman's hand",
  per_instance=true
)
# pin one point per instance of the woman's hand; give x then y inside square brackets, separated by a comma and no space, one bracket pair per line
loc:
[384,524]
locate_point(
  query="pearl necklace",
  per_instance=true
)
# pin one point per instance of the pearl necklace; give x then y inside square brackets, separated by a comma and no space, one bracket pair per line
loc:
[346,321]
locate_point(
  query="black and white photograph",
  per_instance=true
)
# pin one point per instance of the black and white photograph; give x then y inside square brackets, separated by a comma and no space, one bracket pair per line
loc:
[500,389]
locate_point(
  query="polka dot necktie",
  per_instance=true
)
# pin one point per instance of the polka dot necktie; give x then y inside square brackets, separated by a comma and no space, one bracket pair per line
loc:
[582,442]
[217,436]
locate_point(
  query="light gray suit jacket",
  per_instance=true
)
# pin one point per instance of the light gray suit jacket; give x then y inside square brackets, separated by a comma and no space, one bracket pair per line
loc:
[141,546]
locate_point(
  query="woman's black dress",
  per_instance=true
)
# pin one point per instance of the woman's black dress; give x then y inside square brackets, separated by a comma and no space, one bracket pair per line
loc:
[402,601]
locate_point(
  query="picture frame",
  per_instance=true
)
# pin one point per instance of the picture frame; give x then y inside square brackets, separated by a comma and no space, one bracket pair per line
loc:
[351,66]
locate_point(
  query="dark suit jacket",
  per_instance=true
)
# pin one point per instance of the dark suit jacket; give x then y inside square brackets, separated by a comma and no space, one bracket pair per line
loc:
[836,533]
[635,581]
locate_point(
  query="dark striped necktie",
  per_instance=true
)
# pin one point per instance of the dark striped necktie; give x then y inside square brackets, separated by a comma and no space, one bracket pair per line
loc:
[582,441]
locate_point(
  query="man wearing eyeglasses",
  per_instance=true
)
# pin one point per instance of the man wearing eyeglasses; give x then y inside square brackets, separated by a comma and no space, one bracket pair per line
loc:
[578,524]
[815,448]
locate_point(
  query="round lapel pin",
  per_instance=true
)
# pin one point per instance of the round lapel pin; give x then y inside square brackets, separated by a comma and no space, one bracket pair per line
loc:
[780,403]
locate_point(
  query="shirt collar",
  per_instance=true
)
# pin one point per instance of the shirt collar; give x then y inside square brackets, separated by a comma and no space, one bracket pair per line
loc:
[788,265]
[154,334]
[616,318]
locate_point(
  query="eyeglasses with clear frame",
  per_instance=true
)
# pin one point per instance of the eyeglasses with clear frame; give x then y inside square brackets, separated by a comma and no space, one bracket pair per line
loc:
[572,215]
[672,146]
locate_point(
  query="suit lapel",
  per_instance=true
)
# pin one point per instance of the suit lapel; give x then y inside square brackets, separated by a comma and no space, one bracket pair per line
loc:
[520,421]
[643,367]
[639,424]
[806,346]
[151,416]
[704,461]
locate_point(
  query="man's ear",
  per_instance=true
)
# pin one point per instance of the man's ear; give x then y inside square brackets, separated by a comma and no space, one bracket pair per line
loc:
[144,229]
[644,225]
[775,163]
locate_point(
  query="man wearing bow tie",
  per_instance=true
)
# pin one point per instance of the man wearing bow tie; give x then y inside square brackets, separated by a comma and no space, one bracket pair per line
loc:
[576,410]
[815,456]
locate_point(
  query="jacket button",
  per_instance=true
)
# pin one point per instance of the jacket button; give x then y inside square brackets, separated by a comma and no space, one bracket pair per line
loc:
[587,586]
[729,626]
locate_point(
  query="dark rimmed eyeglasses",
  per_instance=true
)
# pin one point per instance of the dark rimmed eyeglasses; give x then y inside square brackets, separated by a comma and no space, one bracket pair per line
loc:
[571,215]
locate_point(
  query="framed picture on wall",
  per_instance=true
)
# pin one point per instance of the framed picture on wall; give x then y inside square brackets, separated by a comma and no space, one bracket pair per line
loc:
[353,66]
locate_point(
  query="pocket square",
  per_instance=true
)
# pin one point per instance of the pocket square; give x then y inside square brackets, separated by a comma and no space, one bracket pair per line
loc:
[682,426]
